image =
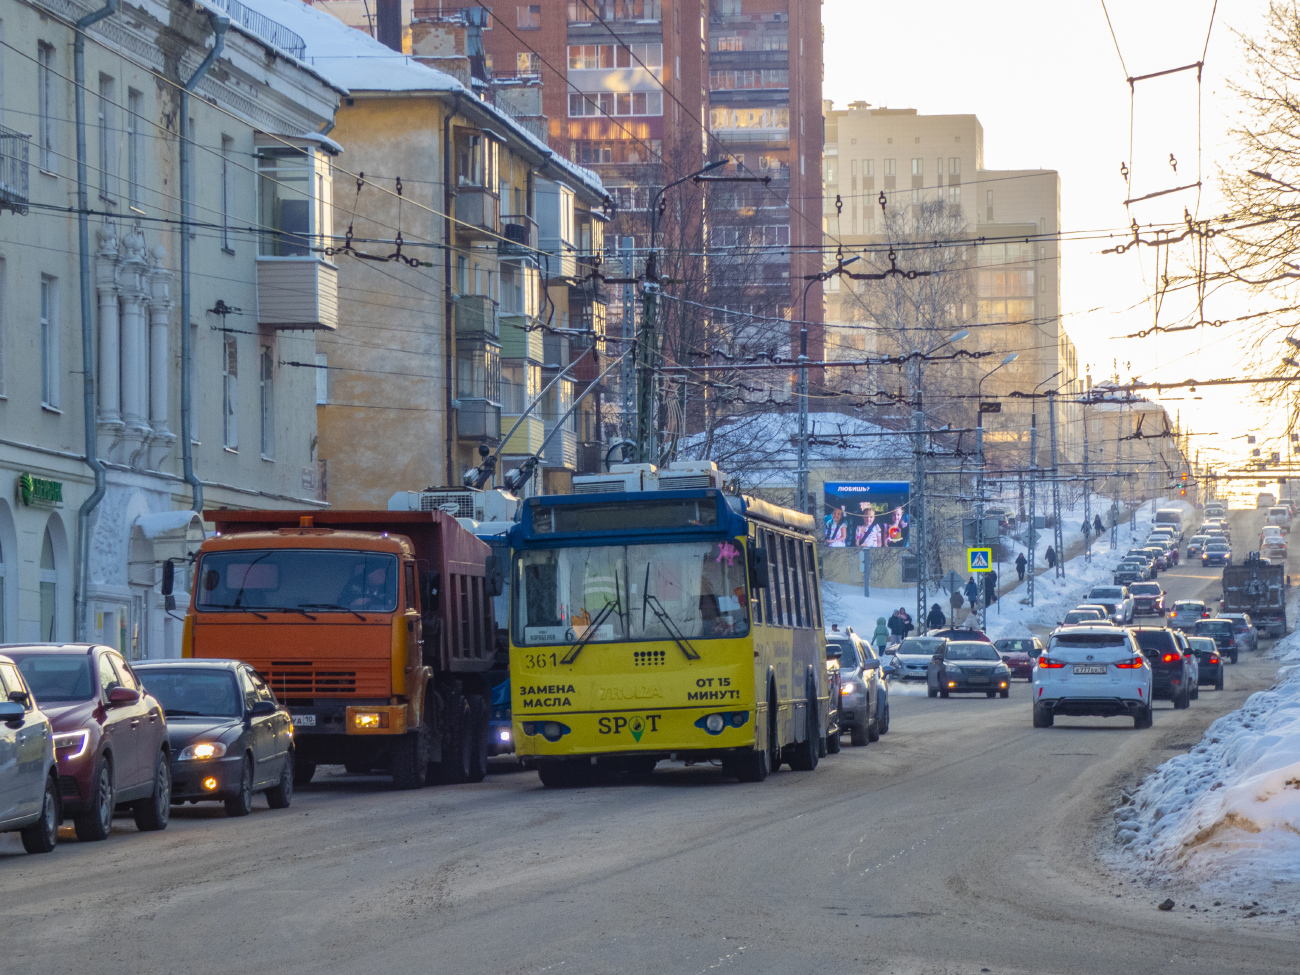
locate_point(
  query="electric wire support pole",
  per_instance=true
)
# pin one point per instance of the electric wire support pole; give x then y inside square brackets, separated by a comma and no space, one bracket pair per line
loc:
[917,535]
[645,374]
[627,374]
[1058,535]
[1087,498]
[1033,506]
[979,510]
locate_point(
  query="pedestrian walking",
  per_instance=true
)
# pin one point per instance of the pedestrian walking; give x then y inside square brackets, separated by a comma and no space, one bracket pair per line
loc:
[1097,527]
[972,592]
[895,625]
[990,588]
[1021,562]
[1050,555]
[936,619]
[1087,528]
[907,625]
[880,638]
[955,601]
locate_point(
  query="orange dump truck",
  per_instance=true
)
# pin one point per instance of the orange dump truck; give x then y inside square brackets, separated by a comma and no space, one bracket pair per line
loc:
[375,628]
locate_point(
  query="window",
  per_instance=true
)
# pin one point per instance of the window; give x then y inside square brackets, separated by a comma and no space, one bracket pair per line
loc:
[749,118]
[954,196]
[134,162]
[227,191]
[322,379]
[528,16]
[526,62]
[266,392]
[49,587]
[890,168]
[49,344]
[46,107]
[462,274]
[616,103]
[477,161]
[954,166]
[107,139]
[918,167]
[229,392]
[107,674]
[284,193]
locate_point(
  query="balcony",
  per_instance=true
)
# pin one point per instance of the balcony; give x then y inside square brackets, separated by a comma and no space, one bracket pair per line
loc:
[612,11]
[478,419]
[13,169]
[521,234]
[518,341]
[562,450]
[297,293]
[478,213]
[527,439]
[476,315]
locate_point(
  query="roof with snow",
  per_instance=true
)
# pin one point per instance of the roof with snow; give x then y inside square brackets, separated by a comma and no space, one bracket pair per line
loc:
[355,62]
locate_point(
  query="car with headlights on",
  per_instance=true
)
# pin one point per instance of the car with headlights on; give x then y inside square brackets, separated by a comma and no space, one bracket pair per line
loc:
[1222,633]
[1243,627]
[1092,671]
[1167,542]
[1115,600]
[968,667]
[911,658]
[1018,654]
[29,772]
[862,686]
[1196,545]
[1148,599]
[110,734]
[1172,673]
[1209,659]
[1216,553]
[1159,558]
[230,737]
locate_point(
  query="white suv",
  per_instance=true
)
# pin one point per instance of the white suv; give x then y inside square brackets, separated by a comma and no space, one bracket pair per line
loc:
[1116,600]
[1092,670]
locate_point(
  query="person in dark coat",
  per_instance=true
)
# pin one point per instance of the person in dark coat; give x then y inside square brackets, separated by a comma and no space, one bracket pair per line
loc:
[896,625]
[990,588]
[972,592]
[955,601]
[1021,562]
[1097,526]
[1087,528]
[935,620]
[1050,555]
[908,625]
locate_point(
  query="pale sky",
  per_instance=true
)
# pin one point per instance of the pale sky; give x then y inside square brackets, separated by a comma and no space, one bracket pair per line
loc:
[1046,82]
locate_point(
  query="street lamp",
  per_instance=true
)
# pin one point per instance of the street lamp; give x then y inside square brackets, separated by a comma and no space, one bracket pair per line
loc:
[979,446]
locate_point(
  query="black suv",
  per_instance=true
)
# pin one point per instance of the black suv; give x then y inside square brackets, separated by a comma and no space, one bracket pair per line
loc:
[1222,632]
[1170,669]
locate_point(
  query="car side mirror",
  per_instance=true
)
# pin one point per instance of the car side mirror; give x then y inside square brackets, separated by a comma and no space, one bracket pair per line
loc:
[168,577]
[494,576]
[937,658]
[119,696]
[261,709]
[11,711]
[758,571]
[21,697]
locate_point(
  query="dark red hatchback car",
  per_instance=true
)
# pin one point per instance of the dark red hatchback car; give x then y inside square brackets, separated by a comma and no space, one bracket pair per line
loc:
[110,735]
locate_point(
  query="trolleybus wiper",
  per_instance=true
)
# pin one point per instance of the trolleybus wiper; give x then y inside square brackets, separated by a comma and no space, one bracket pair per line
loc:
[590,632]
[653,603]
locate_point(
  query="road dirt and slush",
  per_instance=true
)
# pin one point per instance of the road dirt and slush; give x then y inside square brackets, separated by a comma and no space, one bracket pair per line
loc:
[963,841]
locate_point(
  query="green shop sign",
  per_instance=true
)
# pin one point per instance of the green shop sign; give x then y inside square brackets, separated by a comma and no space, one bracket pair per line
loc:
[37,492]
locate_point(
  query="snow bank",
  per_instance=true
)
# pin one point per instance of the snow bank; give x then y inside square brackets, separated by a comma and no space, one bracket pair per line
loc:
[1226,816]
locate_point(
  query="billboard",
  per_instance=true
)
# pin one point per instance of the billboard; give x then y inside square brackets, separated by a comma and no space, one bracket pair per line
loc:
[866,514]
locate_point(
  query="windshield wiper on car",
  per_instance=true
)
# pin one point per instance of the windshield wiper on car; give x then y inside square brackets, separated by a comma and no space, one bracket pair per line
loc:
[336,606]
[590,632]
[177,712]
[661,614]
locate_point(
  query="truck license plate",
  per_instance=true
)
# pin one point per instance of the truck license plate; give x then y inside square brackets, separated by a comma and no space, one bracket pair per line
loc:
[1090,668]
[305,720]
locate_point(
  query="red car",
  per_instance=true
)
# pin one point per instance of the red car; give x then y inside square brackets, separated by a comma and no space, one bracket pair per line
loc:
[1148,599]
[110,735]
[1019,655]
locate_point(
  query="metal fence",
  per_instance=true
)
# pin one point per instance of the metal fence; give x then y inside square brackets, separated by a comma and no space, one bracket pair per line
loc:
[271,31]
[13,169]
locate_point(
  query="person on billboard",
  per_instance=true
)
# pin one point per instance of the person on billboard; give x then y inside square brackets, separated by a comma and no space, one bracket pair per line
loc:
[869,534]
[837,529]
[896,530]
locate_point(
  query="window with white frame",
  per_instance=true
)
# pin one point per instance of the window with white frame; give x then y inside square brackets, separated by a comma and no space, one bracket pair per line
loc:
[46,107]
[49,344]
[229,392]
[106,112]
[134,159]
[918,167]
[266,392]
[290,210]
[49,582]
[227,192]
[322,379]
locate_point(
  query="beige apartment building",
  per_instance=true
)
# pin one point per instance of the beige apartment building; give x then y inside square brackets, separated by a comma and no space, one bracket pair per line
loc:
[896,175]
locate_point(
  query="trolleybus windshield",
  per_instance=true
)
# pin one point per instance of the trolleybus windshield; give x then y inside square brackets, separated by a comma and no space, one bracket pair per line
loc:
[687,590]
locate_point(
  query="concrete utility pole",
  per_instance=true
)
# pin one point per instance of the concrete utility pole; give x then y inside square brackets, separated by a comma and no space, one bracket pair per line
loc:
[1032,534]
[627,375]
[1058,534]
[1087,495]
[917,534]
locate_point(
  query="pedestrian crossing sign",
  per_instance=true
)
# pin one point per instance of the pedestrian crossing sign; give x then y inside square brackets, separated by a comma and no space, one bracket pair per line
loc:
[979,559]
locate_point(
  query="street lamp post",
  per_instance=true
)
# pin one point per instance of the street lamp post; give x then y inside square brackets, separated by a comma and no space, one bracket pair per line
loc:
[1032,534]
[979,447]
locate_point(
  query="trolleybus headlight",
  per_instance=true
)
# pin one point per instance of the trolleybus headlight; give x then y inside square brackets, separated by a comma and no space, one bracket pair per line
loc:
[714,723]
[553,730]
[738,718]
[529,728]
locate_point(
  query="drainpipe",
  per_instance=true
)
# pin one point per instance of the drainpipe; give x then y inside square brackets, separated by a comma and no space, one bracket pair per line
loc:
[448,302]
[87,323]
[220,24]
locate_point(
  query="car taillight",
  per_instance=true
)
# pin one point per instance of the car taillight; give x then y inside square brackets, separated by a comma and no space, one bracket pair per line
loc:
[1214,658]
[1172,658]
[1047,663]
[1133,664]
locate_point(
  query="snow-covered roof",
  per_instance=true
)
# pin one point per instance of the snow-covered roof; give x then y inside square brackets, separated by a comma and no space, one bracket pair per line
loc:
[355,62]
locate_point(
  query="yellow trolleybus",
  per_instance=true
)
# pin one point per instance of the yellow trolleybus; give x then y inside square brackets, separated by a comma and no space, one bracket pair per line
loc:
[665,624]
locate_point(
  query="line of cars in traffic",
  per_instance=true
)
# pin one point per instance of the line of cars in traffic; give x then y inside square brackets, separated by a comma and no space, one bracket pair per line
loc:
[85,734]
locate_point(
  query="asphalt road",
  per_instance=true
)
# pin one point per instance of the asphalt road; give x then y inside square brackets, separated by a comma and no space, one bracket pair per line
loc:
[963,841]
